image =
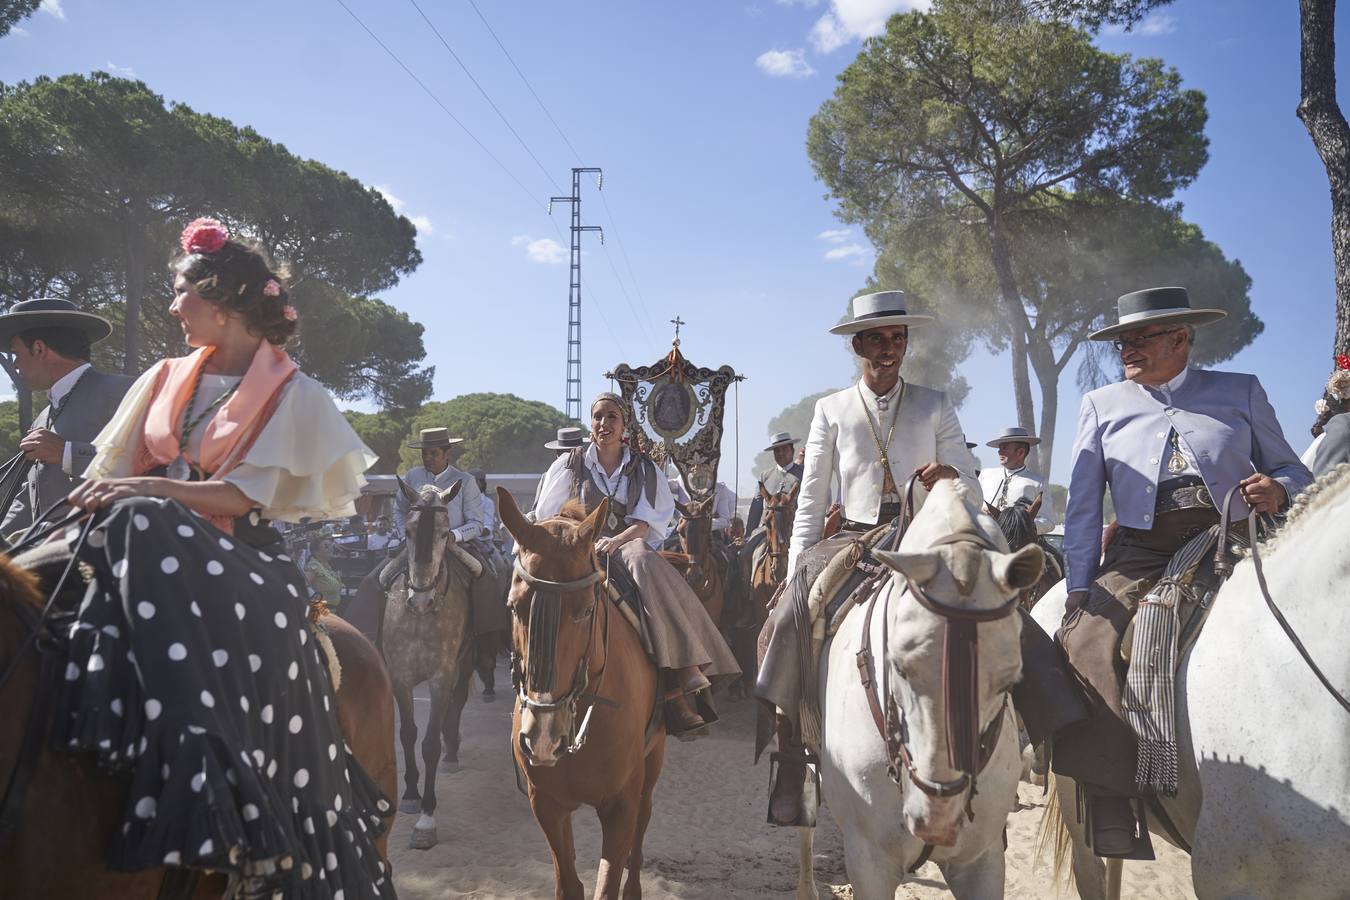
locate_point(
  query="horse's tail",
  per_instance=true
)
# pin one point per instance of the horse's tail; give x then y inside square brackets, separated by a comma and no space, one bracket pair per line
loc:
[1053,834]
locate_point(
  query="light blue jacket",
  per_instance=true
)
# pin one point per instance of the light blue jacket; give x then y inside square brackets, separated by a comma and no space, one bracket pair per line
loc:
[1223,417]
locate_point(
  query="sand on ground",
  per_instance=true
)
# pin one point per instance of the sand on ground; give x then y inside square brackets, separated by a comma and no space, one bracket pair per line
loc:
[708,837]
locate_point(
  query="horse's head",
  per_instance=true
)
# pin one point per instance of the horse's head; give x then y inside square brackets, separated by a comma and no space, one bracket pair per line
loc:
[695,526]
[1018,522]
[428,533]
[952,655]
[554,596]
[779,511]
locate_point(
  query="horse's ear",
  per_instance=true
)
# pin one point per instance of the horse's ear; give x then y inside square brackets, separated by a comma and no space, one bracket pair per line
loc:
[764,493]
[1019,571]
[1036,504]
[525,533]
[792,494]
[918,567]
[451,492]
[684,510]
[588,529]
[408,493]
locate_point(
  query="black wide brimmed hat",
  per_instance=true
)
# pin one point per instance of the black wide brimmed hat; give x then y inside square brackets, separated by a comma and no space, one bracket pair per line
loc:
[1156,306]
[435,437]
[49,312]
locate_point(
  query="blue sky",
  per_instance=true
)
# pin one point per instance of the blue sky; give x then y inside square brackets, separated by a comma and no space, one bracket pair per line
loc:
[697,112]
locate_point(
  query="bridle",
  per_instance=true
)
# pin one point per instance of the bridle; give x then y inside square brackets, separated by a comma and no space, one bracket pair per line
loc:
[969,746]
[442,571]
[542,637]
[777,550]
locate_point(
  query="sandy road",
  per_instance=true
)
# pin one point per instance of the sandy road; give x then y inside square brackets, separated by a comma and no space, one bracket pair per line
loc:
[707,839]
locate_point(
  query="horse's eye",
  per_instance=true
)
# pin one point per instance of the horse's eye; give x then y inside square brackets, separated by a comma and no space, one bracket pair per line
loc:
[585,613]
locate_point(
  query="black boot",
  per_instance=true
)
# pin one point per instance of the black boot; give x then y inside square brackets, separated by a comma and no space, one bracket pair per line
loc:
[794,793]
[1117,831]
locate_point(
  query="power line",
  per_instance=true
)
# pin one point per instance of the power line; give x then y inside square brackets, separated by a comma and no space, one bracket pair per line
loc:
[614,223]
[481,90]
[437,101]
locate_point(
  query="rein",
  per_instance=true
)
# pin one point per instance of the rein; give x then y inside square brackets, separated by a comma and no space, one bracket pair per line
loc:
[969,746]
[1223,565]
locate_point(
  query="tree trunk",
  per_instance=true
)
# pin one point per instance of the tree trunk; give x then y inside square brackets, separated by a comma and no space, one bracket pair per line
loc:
[1048,377]
[135,284]
[1321,115]
[1016,318]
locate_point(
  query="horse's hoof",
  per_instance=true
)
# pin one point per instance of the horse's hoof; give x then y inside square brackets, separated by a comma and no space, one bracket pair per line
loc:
[424,838]
[450,765]
[410,805]
[489,696]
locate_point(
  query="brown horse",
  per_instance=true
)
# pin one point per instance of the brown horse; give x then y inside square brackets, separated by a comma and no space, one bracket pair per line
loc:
[706,575]
[770,565]
[427,635]
[572,647]
[71,808]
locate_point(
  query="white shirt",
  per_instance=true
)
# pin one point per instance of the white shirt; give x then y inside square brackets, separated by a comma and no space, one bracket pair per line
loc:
[1022,485]
[377,541]
[724,507]
[1166,390]
[55,394]
[558,489]
[490,516]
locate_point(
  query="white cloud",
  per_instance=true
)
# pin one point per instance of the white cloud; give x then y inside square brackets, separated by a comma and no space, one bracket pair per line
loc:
[847,251]
[784,64]
[806,3]
[423,225]
[19,32]
[1154,25]
[120,71]
[395,202]
[850,20]
[835,235]
[543,250]
[53,8]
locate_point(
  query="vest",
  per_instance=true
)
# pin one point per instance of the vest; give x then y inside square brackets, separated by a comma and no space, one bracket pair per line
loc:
[640,472]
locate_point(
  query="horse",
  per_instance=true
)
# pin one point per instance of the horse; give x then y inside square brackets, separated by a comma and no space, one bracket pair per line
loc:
[71,808]
[706,573]
[920,759]
[427,636]
[770,565]
[1259,738]
[572,648]
[1018,524]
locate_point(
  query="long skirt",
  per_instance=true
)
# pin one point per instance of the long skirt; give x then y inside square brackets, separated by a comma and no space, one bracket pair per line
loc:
[679,632]
[191,669]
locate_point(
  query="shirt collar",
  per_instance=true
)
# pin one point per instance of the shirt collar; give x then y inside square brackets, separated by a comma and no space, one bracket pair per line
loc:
[889,395]
[58,391]
[1169,388]
[1008,473]
[592,458]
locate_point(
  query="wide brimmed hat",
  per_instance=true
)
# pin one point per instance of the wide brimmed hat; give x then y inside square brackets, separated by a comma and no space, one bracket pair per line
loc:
[1015,434]
[568,438]
[434,437]
[781,439]
[877,311]
[49,312]
[1156,306]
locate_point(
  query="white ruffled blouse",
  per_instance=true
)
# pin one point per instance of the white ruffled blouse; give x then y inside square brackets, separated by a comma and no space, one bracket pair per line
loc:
[307,462]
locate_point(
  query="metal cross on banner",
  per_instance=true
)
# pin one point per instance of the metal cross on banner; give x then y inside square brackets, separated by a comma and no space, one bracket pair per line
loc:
[676,410]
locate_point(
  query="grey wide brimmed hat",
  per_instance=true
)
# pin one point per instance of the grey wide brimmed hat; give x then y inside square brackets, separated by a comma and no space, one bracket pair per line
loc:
[435,437]
[781,439]
[1156,306]
[1015,435]
[49,312]
[568,438]
[877,311]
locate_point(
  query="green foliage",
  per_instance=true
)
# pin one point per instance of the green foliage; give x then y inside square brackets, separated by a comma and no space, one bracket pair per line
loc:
[9,429]
[12,12]
[1096,13]
[97,178]
[502,432]
[382,432]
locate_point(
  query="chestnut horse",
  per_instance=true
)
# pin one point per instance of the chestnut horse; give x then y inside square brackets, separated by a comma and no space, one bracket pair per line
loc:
[706,575]
[770,567]
[71,808]
[572,647]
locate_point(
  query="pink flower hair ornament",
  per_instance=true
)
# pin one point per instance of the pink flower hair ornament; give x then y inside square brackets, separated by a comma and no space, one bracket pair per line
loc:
[203,236]
[272,288]
[290,313]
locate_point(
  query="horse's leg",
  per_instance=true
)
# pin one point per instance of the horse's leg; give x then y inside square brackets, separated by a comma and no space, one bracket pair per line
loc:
[458,697]
[979,879]
[632,889]
[806,864]
[424,832]
[618,826]
[407,735]
[555,820]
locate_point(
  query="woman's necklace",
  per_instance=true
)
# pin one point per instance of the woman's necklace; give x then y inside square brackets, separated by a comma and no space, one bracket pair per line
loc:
[180,469]
[612,520]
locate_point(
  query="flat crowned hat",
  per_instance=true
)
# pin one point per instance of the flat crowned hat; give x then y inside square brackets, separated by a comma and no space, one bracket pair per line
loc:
[568,437]
[878,310]
[1015,434]
[781,439]
[434,437]
[49,312]
[1156,306]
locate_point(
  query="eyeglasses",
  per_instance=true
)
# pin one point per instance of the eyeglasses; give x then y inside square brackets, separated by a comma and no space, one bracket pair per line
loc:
[1138,343]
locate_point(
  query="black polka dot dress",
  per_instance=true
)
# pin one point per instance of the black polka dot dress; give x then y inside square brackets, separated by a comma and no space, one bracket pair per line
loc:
[192,668]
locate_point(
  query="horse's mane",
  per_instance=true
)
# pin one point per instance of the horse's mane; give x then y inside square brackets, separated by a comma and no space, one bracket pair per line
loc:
[19,584]
[1310,500]
[1016,524]
[574,510]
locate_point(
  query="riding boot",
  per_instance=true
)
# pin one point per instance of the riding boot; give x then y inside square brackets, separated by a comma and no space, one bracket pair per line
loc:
[1116,830]
[789,802]
[681,719]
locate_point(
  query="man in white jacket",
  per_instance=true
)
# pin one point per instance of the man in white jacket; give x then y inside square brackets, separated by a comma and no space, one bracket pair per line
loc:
[871,438]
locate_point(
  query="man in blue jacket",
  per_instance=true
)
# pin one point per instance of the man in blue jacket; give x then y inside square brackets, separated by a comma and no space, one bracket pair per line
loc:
[1169,442]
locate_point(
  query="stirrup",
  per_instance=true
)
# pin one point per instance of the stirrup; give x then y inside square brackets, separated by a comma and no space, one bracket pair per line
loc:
[808,794]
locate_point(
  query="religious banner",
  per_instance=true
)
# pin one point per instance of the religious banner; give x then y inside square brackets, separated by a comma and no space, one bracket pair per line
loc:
[675,414]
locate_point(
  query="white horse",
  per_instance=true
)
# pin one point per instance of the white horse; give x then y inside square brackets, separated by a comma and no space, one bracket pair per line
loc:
[952,568]
[1269,747]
